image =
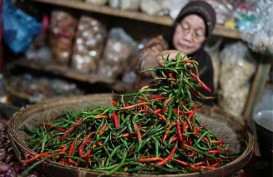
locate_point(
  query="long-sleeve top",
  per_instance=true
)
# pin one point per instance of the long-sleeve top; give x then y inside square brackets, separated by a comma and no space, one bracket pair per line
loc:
[152,50]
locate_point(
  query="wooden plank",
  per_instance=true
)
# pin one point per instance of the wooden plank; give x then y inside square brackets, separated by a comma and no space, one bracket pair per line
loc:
[55,68]
[161,20]
[257,87]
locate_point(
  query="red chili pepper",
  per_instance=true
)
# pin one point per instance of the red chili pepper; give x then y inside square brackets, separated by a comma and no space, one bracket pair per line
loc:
[219,141]
[206,140]
[157,97]
[70,161]
[87,157]
[71,149]
[164,161]
[203,85]
[101,116]
[102,129]
[116,119]
[158,110]
[214,151]
[71,129]
[51,125]
[167,132]
[174,139]
[170,75]
[185,126]
[191,154]
[99,143]
[81,148]
[216,163]
[167,101]
[189,142]
[139,136]
[37,156]
[64,149]
[179,133]
[113,102]
[73,144]
[181,162]
[196,131]
[126,135]
[162,117]
[149,159]
[192,112]
[134,105]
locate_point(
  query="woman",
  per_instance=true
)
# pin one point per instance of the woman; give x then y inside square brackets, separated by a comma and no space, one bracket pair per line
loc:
[193,25]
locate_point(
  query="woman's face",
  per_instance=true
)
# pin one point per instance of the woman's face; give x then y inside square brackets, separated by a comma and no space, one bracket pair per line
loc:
[189,34]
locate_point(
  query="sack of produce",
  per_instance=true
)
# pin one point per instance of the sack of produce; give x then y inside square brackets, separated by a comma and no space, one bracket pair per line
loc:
[237,67]
[130,5]
[88,46]
[119,47]
[152,7]
[260,36]
[62,33]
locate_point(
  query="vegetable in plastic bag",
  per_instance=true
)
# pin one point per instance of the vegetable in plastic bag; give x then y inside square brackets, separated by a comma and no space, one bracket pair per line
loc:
[152,7]
[237,67]
[260,37]
[118,49]
[130,5]
[88,46]
[62,33]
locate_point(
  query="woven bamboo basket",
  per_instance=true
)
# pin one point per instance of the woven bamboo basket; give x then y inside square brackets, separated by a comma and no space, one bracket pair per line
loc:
[222,124]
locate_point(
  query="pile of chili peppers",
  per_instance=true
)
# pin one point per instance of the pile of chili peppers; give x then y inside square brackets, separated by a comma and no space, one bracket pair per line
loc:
[152,131]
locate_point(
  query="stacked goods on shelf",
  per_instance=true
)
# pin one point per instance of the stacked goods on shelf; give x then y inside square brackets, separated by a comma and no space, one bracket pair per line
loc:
[62,33]
[88,46]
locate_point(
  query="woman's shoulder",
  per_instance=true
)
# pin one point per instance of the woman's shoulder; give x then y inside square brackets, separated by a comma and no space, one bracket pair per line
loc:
[158,41]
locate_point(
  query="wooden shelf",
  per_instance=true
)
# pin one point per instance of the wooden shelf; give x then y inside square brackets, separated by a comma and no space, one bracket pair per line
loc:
[55,68]
[161,20]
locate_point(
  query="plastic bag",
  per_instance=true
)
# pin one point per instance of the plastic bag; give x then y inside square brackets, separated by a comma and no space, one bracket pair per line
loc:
[152,7]
[260,37]
[39,50]
[19,28]
[223,10]
[115,3]
[130,5]
[118,49]
[173,7]
[237,67]
[88,46]
[62,33]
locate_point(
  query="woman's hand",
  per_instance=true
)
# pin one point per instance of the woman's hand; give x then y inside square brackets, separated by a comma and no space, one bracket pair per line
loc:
[171,53]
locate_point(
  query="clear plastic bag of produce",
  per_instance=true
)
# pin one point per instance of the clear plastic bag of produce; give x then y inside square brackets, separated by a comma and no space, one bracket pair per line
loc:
[173,7]
[260,37]
[62,32]
[237,68]
[119,47]
[114,3]
[88,46]
[130,5]
[152,7]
